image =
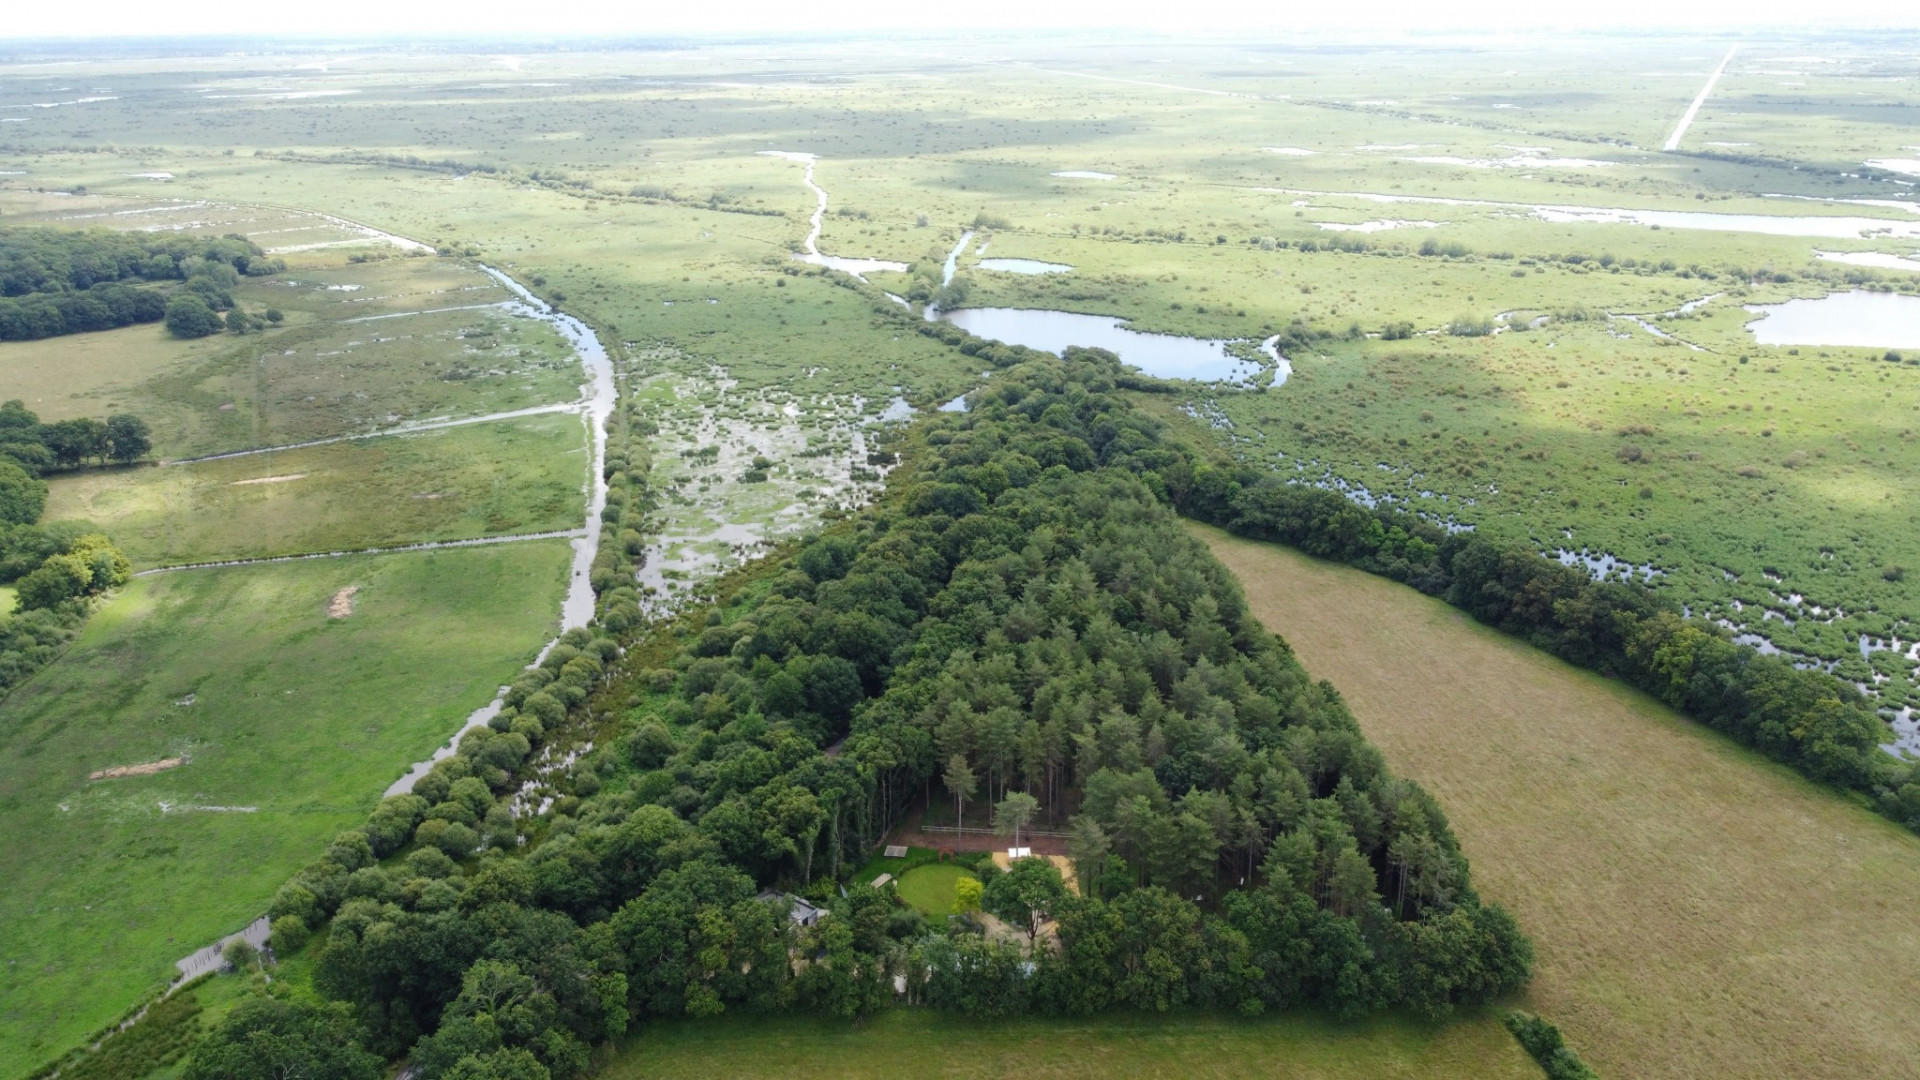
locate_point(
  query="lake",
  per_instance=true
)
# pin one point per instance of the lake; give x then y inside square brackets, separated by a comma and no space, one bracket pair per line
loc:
[1024,266]
[1865,319]
[1165,356]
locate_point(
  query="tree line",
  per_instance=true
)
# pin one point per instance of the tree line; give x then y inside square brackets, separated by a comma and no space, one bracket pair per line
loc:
[1020,607]
[59,281]
[1821,725]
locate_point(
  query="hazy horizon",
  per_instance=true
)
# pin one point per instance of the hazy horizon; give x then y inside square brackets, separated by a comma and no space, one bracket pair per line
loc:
[570,20]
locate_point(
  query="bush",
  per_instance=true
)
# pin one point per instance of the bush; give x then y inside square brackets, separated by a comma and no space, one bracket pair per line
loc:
[287,934]
[1470,326]
[1543,1042]
[189,316]
[22,495]
[239,955]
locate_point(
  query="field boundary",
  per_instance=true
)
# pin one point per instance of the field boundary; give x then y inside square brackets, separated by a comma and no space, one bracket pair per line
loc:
[478,541]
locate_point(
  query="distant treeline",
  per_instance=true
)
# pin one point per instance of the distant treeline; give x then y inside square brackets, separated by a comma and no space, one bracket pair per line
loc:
[59,281]
[398,161]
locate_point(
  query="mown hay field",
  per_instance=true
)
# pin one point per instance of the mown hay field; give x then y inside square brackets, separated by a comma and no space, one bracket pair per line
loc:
[1698,911]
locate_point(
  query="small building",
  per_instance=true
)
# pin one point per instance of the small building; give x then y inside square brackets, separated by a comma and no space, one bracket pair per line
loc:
[800,911]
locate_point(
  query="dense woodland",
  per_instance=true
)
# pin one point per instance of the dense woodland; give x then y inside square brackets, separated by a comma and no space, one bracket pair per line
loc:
[1823,726]
[60,281]
[1020,619]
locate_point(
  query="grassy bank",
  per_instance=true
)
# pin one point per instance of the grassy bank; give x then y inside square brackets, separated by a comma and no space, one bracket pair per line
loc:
[290,724]
[1697,911]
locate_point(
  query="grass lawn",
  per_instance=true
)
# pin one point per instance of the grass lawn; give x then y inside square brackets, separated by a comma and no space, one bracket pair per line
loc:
[931,888]
[291,723]
[1199,1046]
[512,476]
[1698,911]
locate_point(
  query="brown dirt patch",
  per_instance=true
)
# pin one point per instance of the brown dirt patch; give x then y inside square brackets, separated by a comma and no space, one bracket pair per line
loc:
[269,479]
[341,605]
[143,769]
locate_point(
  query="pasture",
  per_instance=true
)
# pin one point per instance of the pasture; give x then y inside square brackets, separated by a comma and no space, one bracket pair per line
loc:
[667,228]
[1697,911]
[290,724]
[508,476]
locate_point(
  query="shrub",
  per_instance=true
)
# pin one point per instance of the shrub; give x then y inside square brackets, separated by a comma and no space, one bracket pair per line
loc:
[22,495]
[287,934]
[1543,1043]
[239,955]
[189,316]
[1470,326]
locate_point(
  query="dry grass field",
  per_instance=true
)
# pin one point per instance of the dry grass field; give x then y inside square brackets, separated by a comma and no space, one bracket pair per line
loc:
[1698,911]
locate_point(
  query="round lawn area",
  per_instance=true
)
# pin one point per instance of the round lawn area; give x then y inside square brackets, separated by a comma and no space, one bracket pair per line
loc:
[931,888]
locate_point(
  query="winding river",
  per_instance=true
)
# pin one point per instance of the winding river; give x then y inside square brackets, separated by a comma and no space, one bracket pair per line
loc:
[598,398]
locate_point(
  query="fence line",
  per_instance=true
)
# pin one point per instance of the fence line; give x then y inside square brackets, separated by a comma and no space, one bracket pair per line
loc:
[1023,832]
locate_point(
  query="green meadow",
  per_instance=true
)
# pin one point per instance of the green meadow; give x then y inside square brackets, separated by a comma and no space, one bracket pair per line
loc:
[291,724]
[1292,1047]
[509,476]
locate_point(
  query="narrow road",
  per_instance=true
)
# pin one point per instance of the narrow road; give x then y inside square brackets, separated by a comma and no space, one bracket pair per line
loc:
[1693,110]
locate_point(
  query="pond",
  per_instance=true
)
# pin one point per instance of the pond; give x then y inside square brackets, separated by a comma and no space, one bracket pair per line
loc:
[1877,259]
[1165,356]
[1859,318]
[1024,266]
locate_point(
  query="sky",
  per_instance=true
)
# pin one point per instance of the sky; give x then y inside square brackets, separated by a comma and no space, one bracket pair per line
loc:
[555,18]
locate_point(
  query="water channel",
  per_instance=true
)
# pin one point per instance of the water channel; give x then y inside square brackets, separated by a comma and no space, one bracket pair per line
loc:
[598,399]
[1815,226]
[857,267]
